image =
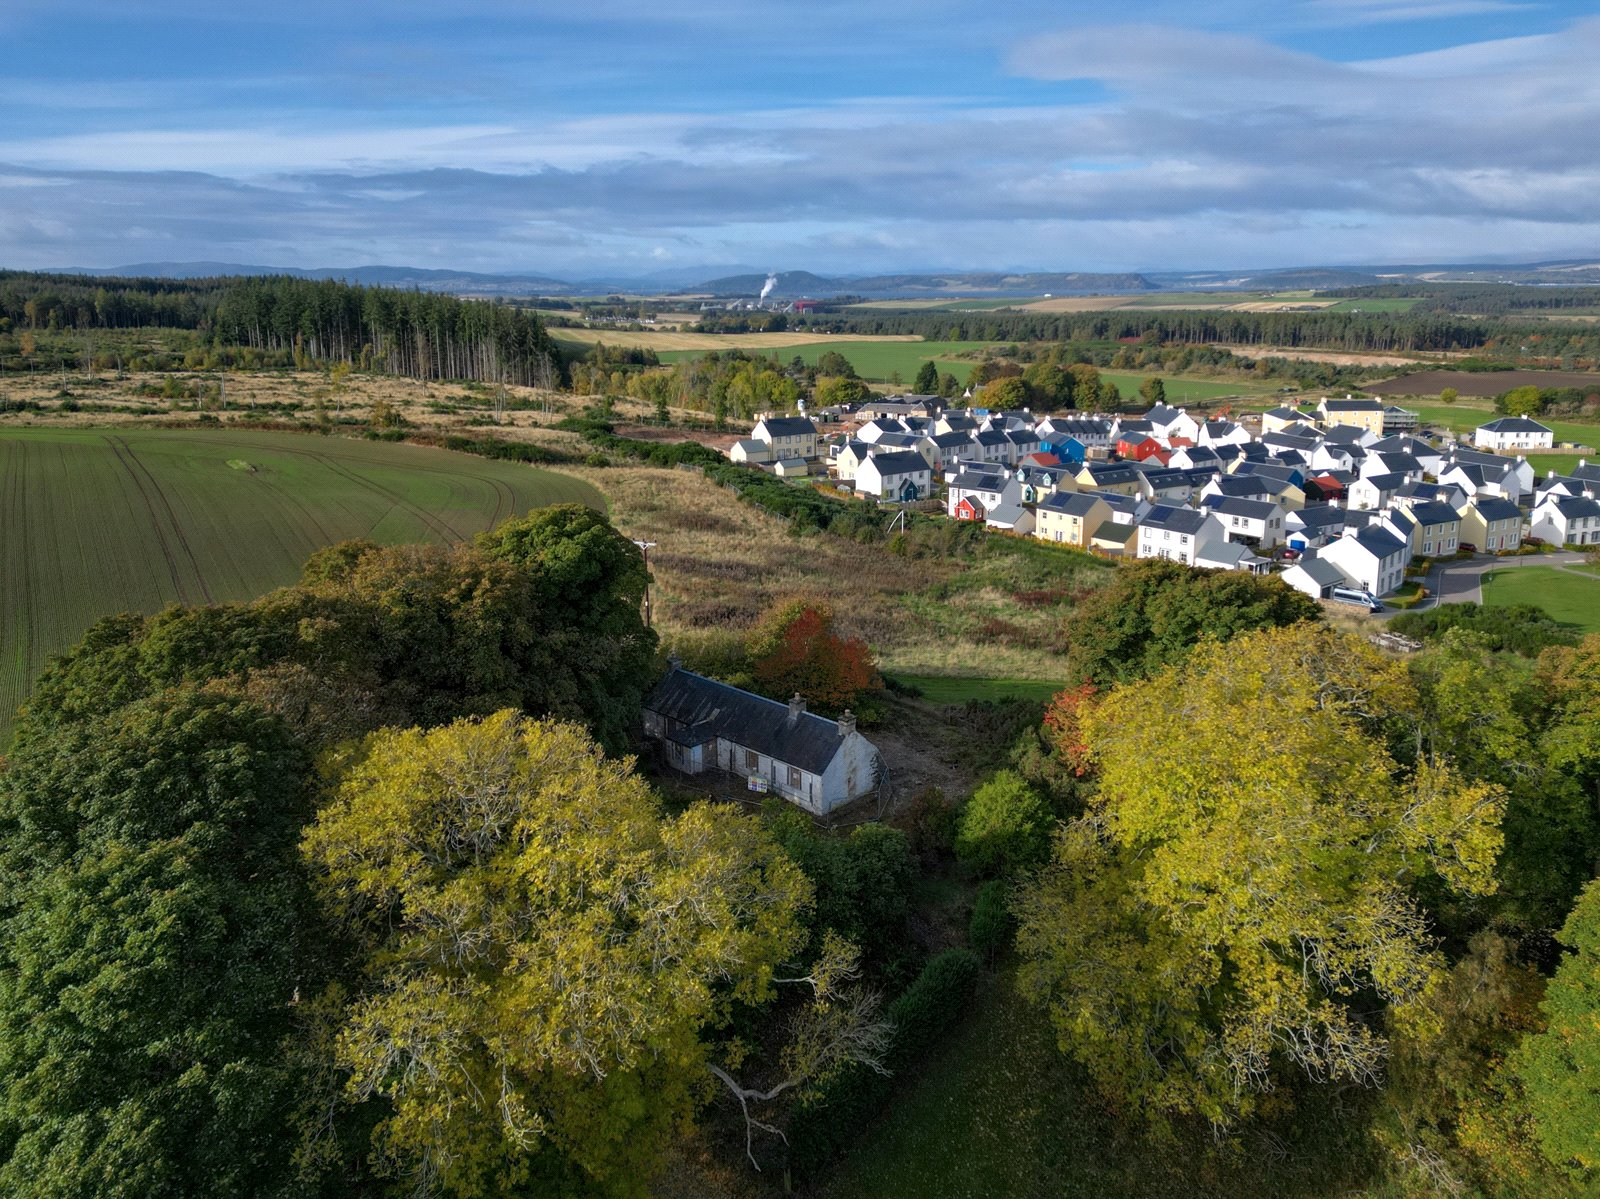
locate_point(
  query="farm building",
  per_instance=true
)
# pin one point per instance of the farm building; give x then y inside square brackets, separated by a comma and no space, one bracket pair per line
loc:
[702,725]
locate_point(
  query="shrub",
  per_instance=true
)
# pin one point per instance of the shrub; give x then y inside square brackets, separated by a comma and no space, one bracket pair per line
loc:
[992,924]
[1005,826]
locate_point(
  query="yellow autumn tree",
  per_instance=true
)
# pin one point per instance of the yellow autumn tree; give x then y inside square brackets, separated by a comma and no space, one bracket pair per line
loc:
[544,951]
[1242,875]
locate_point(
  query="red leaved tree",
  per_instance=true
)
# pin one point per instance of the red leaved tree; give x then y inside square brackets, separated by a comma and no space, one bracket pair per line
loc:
[1063,726]
[796,650]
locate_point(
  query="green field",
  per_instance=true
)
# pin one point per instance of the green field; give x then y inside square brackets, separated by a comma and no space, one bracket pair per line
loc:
[1567,596]
[876,361]
[952,689]
[1375,305]
[1181,391]
[102,521]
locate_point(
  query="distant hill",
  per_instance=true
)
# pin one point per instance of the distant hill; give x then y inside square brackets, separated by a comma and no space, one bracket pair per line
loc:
[791,284]
[404,277]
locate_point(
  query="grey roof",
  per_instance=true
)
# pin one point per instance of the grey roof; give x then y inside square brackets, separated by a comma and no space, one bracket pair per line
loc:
[1111,474]
[899,462]
[955,439]
[1351,406]
[1432,512]
[1385,482]
[1343,434]
[791,463]
[1178,520]
[1022,437]
[1006,514]
[704,705]
[898,441]
[1072,503]
[1218,428]
[1323,573]
[1573,507]
[991,437]
[1320,516]
[1379,542]
[1243,485]
[977,480]
[1587,471]
[1400,464]
[1110,530]
[1134,426]
[1229,505]
[1494,508]
[788,426]
[1514,424]
[1288,414]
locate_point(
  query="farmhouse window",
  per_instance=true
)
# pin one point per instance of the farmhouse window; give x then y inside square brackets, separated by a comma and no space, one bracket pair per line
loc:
[752,760]
[794,776]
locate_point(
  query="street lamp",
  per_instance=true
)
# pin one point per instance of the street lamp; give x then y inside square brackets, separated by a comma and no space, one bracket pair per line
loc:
[644,548]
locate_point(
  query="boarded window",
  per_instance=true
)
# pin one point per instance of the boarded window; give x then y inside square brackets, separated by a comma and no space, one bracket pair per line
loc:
[752,760]
[794,777]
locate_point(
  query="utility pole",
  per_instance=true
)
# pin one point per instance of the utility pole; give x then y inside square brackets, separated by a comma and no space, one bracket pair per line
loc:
[644,548]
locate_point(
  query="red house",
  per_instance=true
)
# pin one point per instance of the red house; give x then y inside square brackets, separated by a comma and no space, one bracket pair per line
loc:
[969,509]
[1136,447]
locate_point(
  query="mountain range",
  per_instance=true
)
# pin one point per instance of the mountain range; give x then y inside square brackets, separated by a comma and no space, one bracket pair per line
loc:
[729,282]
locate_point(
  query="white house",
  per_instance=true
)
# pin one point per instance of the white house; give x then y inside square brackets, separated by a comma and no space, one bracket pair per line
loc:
[1255,523]
[1375,491]
[1314,576]
[1222,432]
[1513,433]
[894,475]
[811,761]
[788,436]
[874,430]
[1567,519]
[1373,558]
[989,489]
[1177,533]
[1168,423]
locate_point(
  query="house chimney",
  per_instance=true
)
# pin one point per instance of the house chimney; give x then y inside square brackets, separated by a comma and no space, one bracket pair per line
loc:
[797,707]
[847,723]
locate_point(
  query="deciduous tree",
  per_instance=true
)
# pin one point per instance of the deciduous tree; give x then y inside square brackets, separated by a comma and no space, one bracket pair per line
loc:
[1241,883]
[795,649]
[545,952]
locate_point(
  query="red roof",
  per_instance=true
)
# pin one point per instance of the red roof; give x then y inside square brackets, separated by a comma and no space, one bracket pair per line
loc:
[1042,459]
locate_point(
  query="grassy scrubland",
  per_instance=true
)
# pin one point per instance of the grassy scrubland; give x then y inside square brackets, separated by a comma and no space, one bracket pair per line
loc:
[102,521]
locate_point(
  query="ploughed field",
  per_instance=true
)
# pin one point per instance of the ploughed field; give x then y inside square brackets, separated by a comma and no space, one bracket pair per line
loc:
[98,521]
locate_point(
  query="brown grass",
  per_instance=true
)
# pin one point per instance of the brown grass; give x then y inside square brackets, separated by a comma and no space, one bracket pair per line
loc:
[719,563]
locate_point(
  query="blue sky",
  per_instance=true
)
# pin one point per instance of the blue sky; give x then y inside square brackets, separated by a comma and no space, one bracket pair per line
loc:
[621,137]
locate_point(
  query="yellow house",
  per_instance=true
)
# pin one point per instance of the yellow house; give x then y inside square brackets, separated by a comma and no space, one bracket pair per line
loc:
[1359,414]
[1491,523]
[1069,517]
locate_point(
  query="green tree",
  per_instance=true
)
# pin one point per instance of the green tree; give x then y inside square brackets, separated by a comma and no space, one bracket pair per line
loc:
[927,380]
[546,952]
[1519,401]
[1449,395]
[1004,393]
[157,931]
[1153,390]
[831,362]
[1005,826]
[949,386]
[1239,890]
[1153,612]
[1559,1066]
[833,390]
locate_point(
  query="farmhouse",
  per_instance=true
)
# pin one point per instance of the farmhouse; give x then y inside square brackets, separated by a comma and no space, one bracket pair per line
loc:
[702,725]
[1513,433]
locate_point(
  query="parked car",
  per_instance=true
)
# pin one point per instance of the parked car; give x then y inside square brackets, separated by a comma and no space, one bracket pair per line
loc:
[1468,547]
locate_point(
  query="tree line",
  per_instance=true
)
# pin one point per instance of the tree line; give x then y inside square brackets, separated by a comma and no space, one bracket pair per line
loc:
[297,322]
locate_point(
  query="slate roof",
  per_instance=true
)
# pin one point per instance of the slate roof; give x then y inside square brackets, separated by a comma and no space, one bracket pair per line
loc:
[702,706]
[1112,474]
[898,462]
[1385,482]
[1573,507]
[1071,503]
[1432,512]
[1351,406]
[1317,517]
[788,426]
[1380,543]
[978,481]
[1494,508]
[1110,530]
[1178,520]
[991,437]
[1229,505]
[1514,424]
[1323,573]
[1288,414]
[1242,485]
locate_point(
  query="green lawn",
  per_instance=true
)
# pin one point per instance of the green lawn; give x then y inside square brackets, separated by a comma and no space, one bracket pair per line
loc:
[999,1113]
[98,521]
[951,689]
[1568,597]
[1181,390]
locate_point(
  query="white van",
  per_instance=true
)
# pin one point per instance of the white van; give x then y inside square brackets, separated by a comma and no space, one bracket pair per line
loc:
[1358,596]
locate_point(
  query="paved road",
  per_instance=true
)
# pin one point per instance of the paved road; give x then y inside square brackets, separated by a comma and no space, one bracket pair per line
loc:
[1460,582]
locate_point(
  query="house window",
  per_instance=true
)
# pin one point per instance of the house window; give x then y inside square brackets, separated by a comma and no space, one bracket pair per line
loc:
[794,777]
[752,760]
